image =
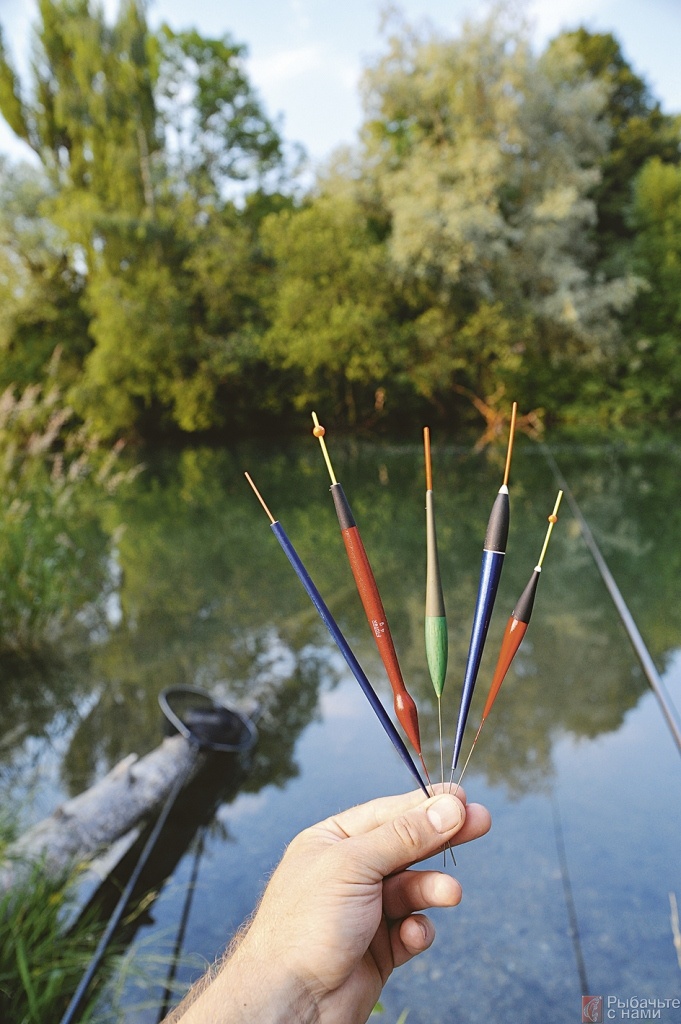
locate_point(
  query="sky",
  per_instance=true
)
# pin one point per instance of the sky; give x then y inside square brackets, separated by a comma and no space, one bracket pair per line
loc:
[305,57]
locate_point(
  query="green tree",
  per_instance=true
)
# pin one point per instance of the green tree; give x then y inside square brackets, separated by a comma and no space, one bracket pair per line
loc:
[639,131]
[335,310]
[651,371]
[143,137]
[40,292]
[656,219]
[485,158]
[206,104]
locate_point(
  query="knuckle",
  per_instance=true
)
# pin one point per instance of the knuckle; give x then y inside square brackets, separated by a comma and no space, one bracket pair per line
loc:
[407,832]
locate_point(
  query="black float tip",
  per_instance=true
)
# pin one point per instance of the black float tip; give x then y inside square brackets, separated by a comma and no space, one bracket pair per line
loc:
[499,518]
[343,510]
[525,602]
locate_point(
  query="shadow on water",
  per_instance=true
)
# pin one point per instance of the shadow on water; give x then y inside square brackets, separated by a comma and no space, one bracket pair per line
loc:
[205,597]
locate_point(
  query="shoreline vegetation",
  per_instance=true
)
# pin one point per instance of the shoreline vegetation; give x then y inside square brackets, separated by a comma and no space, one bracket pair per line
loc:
[41,960]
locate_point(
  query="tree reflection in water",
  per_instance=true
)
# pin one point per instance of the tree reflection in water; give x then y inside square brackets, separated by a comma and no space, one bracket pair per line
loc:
[205,597]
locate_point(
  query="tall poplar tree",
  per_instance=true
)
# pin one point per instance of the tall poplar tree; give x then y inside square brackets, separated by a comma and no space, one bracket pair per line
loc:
[142,136]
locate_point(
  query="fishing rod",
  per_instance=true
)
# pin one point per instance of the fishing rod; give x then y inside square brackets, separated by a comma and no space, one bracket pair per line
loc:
[224,740]
[658,687]
[184,918]
[568,895]
[437,645]
[494,550]
[86,980]
[405,708]
[341,642]
[516,627]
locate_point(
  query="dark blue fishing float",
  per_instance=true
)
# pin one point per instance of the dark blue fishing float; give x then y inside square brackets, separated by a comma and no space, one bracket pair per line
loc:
[341,642]
[494,549]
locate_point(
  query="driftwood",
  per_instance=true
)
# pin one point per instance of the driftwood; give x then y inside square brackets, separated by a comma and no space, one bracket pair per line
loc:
[82,827]
[496,419]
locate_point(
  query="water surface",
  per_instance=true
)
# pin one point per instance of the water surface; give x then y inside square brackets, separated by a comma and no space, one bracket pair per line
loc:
[570,890]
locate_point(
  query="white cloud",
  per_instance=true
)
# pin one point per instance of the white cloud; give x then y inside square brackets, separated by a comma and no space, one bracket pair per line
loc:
[286,65]
[550,16]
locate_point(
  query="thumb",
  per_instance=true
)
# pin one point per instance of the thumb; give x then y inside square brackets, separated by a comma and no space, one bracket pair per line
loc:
[412,836]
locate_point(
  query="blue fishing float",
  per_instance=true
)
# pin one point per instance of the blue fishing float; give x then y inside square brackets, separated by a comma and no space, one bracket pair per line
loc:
[494,550]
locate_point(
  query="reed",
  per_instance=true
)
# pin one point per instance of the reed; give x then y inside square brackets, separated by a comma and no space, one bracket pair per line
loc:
[40,962]
[45,947]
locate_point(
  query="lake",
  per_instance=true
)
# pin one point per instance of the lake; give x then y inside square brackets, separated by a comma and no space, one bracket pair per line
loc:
[570,893]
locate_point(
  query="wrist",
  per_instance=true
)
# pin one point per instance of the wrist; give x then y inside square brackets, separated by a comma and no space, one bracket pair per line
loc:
[262,988]
[253,987]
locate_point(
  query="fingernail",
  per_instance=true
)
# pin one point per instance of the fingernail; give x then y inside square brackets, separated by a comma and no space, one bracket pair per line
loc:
[444,813]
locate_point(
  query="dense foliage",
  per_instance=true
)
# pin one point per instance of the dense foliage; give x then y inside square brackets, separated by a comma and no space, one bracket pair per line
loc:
[53,485]
[507,225]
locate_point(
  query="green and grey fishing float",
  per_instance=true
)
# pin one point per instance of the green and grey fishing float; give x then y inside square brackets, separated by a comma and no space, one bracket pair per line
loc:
[437,642]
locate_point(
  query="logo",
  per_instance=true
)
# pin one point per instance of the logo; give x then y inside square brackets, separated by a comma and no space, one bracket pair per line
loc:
[592,1009]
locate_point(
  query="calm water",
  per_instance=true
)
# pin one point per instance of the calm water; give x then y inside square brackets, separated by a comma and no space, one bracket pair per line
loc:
[571,888]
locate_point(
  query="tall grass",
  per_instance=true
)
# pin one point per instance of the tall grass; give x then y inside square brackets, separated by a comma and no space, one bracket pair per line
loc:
[41,963]
[46,947]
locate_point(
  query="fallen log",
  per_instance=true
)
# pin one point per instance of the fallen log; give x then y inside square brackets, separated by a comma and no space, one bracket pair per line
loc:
[80,828]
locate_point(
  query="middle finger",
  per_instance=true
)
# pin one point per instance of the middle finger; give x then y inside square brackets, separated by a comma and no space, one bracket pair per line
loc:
[409,891]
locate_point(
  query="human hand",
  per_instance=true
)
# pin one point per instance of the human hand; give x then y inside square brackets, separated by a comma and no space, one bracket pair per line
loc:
[340,912]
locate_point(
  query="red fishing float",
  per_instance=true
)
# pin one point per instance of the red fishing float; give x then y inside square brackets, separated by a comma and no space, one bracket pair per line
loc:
[405,708]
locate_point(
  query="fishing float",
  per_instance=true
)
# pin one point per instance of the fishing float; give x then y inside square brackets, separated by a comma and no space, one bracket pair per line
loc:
[341,642]
[516,627]
[494,550]
[405,708]
[435,617]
